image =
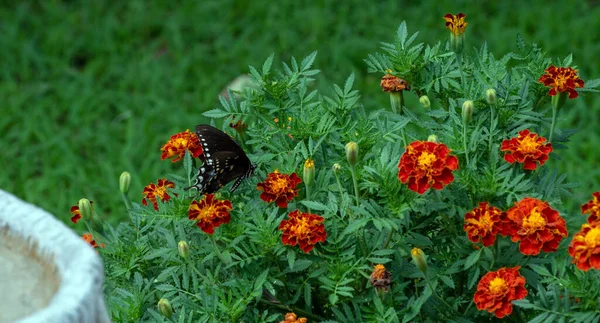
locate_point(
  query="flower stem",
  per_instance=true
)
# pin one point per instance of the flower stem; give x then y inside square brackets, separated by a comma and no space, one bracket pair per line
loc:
[337,178]
[217,251]
[126,201]
[494,254]
[554,113]
[491,129]
[465,143]
[355,182]
[308,195]
[436,294]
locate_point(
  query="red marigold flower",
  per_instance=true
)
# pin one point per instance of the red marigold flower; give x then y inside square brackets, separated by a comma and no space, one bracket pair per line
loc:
[527,148]
[293,318]
[497,289]
[380,278]
[456,23]
[210,213]
[391,83]
[561,79]
[303,228]
[483,223]
[426,164]
[152,191]
[536,225]
[76,213]
[592,207]
[585,247]
[89,239]
[280,188]
[179,143]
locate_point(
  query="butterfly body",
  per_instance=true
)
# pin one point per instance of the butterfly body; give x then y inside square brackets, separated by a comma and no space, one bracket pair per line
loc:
[224,161]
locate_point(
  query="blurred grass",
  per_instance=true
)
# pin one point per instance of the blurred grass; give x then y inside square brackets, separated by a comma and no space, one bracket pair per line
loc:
[92,88]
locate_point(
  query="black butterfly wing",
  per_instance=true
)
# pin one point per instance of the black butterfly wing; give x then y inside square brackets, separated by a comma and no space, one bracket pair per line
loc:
[224,161]
[214,140]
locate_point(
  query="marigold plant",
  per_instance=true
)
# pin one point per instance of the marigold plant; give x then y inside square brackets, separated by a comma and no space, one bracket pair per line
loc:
[497,289]
[303,229]
[592,208]
[210,213]
[528,149]
[77,213]
[179,143]
[152,192]
[585,247]
[561,79]
[536,225]
[279,188]
[370,203]
[90,239]
[426,164]
[483,223]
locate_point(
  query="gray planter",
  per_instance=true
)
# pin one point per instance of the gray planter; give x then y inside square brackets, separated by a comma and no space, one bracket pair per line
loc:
[47,272]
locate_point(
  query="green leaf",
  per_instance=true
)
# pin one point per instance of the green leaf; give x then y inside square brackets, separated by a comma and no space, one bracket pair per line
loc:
[473,258]
[267,64]
[448,281]
[215,113]
[315,206]
[541,270]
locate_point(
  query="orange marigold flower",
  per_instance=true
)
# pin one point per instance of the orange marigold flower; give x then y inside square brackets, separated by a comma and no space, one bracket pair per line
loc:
[238,126]
[585,247]
[391,83]
[89,239]
[497,289]
[380,278]
[77,213]
[592,207]
[426,164]
[456,23]
[152,191]
[536,225]
[303,228]
[527,148]
[561,79]
[483,223]
[210,213]
[293,318]
[179,143]
[280,188]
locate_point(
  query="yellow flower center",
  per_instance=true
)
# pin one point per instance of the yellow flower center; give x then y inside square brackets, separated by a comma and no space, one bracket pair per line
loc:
[486,222]
[302,228]
[378,272]
[498,286]
[592,238]
[206,212]
[160,191]
[279,185]
[309,163]
[181,142]
[534,221]
[529,145]
[425,160]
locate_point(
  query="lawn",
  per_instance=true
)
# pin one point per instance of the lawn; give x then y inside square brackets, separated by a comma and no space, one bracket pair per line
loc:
[92,88]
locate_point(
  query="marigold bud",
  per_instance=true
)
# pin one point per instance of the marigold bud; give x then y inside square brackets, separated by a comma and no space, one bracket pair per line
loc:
[433,138]
[124,182]
[336,167]
[352,153]
[490,96]
[184,249]
[467,111]
[419,258]
[164,307]
[85,208]
[425,101]
[309,172]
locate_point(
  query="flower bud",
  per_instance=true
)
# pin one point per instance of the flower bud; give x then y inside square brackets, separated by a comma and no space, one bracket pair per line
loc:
[490,96]
[309,172]
[467,111]
[425,102]
[419,258]
[352,153]
[124,182]
[184,249]
[336,167]
[164,307]
[85,208]
[433,138]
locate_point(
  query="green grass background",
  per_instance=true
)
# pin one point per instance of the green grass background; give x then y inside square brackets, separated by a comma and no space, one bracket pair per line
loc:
[91,88]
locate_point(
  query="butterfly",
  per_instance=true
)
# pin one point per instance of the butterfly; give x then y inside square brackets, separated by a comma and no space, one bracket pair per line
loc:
[224,161]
